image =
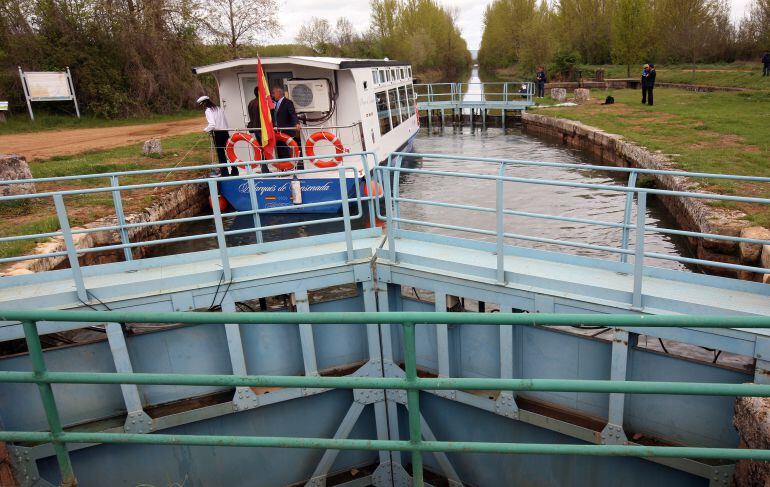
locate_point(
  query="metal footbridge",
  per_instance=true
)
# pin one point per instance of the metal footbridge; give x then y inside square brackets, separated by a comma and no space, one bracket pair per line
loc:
[475,95]
[352,372]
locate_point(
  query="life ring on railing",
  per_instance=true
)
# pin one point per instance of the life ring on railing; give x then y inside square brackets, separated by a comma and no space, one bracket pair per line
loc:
[243,137]
[328,136]
[292,144]
[375,186]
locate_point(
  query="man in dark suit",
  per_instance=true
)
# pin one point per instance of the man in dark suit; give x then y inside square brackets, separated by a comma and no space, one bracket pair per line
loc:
[285,120]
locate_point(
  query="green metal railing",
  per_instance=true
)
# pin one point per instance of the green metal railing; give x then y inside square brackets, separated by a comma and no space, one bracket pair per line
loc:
[411,383]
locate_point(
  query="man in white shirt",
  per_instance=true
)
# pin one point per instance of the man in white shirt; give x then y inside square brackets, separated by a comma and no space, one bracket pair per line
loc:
[217,126]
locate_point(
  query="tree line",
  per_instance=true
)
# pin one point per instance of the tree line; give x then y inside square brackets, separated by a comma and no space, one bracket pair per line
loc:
[628,32]
[134,57]
[423,32]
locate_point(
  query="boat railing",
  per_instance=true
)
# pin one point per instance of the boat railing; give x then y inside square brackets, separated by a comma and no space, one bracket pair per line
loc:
[62,440]
[396,221]
[351,136]
[504,94]
[354,165]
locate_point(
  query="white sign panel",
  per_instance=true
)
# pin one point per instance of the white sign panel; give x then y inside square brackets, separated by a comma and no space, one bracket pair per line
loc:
[48,85]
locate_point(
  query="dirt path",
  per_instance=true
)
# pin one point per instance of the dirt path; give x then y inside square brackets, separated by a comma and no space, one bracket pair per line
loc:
[42,145]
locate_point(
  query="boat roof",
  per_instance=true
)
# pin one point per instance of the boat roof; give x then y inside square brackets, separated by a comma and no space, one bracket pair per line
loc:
[333,63]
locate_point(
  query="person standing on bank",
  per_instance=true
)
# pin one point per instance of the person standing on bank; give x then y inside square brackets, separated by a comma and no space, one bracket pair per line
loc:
[217,127]
[255,122]
[650,83]
[541,80]
[766,64]
[286,121]
[645,72]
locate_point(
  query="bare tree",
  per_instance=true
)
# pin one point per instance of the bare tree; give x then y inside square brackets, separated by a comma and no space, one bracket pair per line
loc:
[317,34]
[238,21]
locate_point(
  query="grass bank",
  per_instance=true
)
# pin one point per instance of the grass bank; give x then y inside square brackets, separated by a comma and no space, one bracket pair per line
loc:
[34,216]
[706,132]
[738,74]
[20,123]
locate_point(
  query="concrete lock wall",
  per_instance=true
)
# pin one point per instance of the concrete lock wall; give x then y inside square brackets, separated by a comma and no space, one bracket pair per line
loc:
[690,214]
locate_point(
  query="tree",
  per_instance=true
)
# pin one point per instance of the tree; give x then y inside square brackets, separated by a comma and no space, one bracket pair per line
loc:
[584,26]
[237,21]
[505,24]
[317,34]
[632,23]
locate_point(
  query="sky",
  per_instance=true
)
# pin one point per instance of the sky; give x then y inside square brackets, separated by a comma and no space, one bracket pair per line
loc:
[471,12]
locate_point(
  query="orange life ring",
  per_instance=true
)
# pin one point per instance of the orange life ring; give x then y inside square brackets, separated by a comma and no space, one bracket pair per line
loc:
[376,189]
[243,137]
[317,136]
[292,144]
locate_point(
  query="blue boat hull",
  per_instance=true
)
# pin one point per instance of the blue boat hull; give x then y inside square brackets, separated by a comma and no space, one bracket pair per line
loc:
[276,193]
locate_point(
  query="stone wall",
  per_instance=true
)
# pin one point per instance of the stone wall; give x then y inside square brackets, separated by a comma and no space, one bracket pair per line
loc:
[690,214]
[14,167]
[188,200]
[751,421]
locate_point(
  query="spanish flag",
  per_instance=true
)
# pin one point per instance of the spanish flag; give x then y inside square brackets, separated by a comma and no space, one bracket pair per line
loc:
[266,105]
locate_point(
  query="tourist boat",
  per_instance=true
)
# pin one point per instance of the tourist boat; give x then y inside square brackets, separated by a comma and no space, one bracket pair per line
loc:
[345,106]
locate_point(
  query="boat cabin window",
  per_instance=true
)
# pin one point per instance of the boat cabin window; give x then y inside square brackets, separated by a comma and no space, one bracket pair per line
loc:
[383,113]
[394,109]
[402,73]
[409,72]
[410,95]
[403,102]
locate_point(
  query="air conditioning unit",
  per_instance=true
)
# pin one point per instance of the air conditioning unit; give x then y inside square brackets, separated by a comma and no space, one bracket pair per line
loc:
[309,95]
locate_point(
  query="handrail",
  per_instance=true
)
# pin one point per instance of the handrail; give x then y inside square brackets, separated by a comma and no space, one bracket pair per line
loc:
[436,97]
[343,171]
[411,383]
[394,220]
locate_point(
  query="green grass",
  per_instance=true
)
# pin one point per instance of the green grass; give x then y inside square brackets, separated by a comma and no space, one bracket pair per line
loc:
[740,74]
[705,132]
[36,216]
[19,247]
[127,158]
[19,122]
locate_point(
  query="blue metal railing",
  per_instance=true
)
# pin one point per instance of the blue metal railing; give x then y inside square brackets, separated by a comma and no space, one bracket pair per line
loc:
[72,252]
[389,180]
[494,95]
[390,175]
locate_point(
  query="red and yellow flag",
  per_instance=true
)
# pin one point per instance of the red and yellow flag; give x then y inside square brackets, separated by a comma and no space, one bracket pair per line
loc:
[266,104]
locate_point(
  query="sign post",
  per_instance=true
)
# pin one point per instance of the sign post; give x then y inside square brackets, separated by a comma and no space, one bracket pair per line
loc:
[48,86]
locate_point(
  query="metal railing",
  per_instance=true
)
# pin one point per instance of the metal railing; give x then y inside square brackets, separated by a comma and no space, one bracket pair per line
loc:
[493,95]
[389,177]
[411,383]
[363,160]
[350,135]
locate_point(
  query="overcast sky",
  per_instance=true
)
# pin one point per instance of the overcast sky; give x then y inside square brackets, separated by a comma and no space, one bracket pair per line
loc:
[295,12]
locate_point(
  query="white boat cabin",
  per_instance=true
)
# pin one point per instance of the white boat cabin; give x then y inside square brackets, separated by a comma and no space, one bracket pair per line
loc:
[367,103]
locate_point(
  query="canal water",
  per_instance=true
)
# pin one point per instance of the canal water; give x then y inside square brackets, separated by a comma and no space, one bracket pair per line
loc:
[496,143]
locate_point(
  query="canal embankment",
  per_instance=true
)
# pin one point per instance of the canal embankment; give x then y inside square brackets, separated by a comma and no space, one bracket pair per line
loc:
[185,201]
[95,210]
[689,213]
